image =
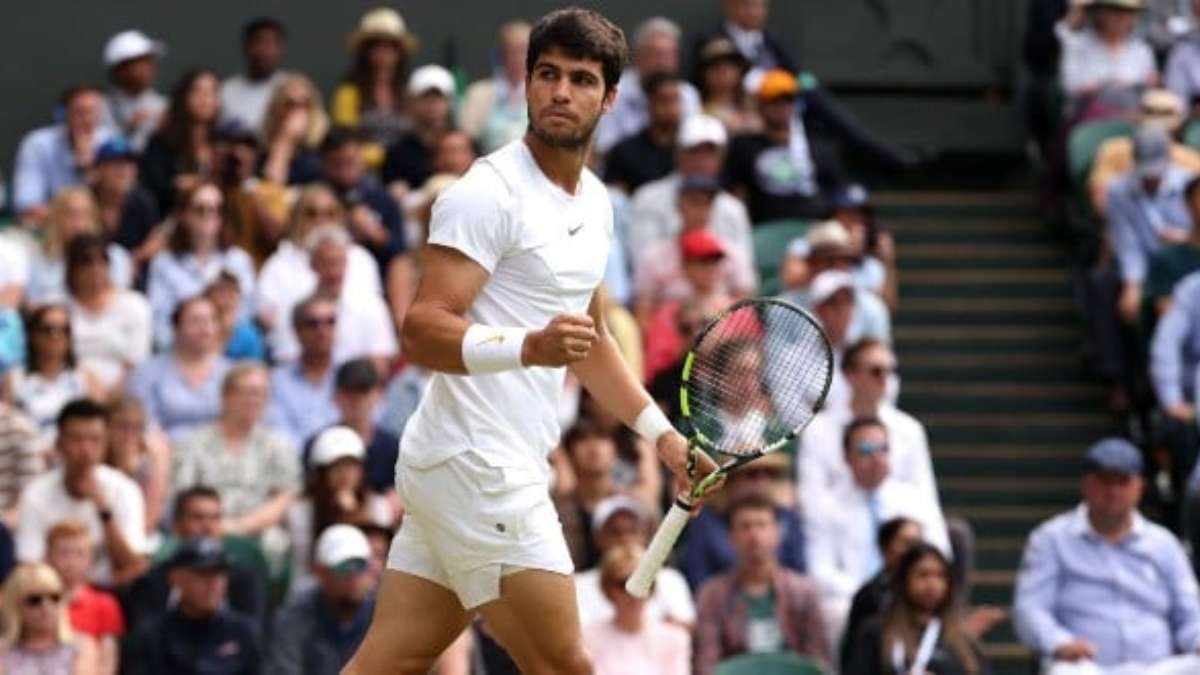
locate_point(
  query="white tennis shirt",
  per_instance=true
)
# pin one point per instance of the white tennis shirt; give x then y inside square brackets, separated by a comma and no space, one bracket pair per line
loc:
[546,251]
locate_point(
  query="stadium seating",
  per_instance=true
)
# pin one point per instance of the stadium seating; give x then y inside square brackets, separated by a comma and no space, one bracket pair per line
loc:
[769,664]
[770,245]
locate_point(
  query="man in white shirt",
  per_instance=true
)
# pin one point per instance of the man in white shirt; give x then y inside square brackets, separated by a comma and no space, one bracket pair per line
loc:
[133,108]
[622,520]
[85,489]
[700,151]
[244,96]
[841,529]
[507,299]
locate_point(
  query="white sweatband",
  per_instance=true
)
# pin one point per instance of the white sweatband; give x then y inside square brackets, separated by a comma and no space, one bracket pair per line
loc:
[652,423]
[491,349]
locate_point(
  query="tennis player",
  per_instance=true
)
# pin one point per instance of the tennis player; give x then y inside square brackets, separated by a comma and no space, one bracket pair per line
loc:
[508,297]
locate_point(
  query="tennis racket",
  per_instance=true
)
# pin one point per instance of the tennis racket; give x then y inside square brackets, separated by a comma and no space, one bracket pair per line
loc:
[754,378]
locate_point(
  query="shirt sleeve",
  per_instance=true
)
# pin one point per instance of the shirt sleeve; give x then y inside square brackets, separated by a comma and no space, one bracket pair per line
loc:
[1034,596]
[381,332]
[471,217]
[708,628]
[129,511]
[1122,226]
[1185,599]
[1175,76]
[1166,346]
[30,186]
[31,531]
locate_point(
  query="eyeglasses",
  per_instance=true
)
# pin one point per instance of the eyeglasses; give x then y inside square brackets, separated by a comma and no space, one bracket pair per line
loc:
[53,329]
[319,322]
[870,447]
[38,599]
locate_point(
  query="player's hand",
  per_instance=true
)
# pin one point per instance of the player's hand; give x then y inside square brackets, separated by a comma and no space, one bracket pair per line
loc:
[672,449]
[567,339]
[1075,650]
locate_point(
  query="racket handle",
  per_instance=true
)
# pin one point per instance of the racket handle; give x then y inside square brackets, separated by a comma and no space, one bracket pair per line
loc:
[664,540]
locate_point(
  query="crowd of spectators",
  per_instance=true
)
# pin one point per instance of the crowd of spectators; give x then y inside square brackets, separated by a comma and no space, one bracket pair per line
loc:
[203,388]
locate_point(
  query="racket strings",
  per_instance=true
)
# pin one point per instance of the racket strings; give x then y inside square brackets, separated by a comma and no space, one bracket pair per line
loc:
[758,375]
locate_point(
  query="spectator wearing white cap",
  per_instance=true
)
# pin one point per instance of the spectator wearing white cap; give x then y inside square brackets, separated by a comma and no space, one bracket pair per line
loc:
[409,160]
[830,248]
[335,492]
[318,631]
[1105,66]
[244,96]
[621,520]
[699,151]
[133,107]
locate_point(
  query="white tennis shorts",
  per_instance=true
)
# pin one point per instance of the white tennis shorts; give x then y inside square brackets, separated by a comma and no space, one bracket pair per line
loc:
[467,524]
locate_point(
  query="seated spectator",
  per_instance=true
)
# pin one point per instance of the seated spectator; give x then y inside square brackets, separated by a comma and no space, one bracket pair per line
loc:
[923,611]
[371,95]
[302,399]
[92,612]
[199,249]
[256,210]
[1146,210]
[253,467]
[371,215]
[745,22]
[318,631]
[110,326]
[38,270]
[493,109]
[181,152]
[358,394]
[1104,67]
[830,249]
[649,154]
[692,316]
[633,641]
[50,377]
[840,530]
[287,277]
[37,631]
[235,329]
[655,216]
[402,395]
[1103,590]
[143,454]
[84,489]
[622,522]
[654,50]
[181,388]
[1181,74]
[198,633]
[1173,262]
[759,606]
[335,492]
[709,550]
[1114,158]
[896,537]
[720,70]
[409,158]
[453,154]
[782,172]
[133,108]
[197,516]
[244,96]
[127,213]
[53,157]
[21,460]
[1175,353]
[292,131]
[871,246]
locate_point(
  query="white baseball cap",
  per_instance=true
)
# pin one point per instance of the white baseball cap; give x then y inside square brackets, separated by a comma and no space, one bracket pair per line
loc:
[431,77]
[700,129]
[611,506]
[131,44]
[828,283]
[334,443]
[340,544]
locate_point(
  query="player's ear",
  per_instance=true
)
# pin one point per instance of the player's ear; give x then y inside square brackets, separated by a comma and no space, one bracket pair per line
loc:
[610,98]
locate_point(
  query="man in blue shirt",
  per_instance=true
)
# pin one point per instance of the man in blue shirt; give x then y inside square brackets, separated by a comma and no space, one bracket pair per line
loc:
[56,156]
[302,392]
[1103,591]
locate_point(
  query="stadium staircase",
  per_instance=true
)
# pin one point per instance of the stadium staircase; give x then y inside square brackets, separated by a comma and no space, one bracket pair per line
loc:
[988,346]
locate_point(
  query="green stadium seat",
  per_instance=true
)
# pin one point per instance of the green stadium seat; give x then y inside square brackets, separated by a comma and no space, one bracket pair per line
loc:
[1085,142]
[1191,135]
[770,244]
[769,664]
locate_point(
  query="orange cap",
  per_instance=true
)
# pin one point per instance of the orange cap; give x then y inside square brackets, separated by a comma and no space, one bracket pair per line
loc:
[777,84]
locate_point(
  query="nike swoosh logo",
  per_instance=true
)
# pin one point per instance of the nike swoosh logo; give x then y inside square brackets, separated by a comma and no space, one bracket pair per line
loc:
[572,230]
[498,338]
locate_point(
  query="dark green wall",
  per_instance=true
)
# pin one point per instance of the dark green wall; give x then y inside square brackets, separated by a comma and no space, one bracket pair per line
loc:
[921,44]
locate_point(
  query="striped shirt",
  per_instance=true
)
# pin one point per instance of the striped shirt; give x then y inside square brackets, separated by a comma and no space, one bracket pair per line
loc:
[20,461]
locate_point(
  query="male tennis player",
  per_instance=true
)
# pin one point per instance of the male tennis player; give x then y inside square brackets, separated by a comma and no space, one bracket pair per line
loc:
[508,297]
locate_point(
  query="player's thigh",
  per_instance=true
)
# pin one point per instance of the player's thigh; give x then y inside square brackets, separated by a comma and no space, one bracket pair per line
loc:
[537,621]
[415,620]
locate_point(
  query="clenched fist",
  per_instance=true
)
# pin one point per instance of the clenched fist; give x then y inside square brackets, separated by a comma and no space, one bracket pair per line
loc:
[567,339]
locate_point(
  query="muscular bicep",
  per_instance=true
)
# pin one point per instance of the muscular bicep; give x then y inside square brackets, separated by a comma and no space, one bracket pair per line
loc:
[435,322]
[596,311]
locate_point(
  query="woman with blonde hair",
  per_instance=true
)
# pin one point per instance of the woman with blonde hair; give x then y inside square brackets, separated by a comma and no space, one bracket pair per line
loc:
[293,128]
[37,632]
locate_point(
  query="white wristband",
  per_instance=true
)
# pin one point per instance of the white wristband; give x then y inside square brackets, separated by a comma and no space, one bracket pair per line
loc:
[652,423]
[491,349]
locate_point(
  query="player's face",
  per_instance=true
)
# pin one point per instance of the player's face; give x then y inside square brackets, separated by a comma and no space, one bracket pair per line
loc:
[566,97]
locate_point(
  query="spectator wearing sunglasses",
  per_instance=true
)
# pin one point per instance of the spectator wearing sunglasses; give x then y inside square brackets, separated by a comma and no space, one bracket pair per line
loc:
[302,392]
[841,528]
[37,632]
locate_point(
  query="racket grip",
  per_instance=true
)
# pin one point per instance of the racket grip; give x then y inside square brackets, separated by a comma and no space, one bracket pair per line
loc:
[664,540]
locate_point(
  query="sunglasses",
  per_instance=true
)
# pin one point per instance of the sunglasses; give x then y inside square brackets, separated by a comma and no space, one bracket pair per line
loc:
[38,599]
[319,322]
[870,448]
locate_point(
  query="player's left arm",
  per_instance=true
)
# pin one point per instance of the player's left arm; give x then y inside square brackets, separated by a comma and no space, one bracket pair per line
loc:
[608,378]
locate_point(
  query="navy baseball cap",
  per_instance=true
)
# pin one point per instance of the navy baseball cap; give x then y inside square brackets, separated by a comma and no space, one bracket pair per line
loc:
[1114,455]
[115,148]
[203,553]
[853,196]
